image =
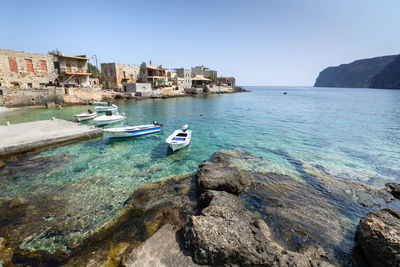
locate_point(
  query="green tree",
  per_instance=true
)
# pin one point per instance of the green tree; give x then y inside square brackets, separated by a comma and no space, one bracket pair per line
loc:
[94,71]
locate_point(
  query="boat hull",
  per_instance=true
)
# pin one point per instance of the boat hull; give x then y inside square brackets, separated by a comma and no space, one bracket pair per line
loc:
[104,122]
[85,117]
[175,147]
[129,133]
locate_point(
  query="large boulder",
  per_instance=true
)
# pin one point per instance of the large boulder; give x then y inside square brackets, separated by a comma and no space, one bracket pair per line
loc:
[215,176]
[226,233]
[378,235]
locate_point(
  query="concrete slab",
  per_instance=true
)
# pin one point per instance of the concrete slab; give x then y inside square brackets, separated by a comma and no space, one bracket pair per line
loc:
[28,136]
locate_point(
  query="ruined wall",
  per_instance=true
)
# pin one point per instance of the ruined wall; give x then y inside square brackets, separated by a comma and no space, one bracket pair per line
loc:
[84,95]
[15,97]
[26,70]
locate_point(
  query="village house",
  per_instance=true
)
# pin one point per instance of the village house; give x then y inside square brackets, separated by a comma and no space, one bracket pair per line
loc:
[203,72]
[117,75]
[33,70]
[186,74]
[73,70]
[156,75]
[27,70]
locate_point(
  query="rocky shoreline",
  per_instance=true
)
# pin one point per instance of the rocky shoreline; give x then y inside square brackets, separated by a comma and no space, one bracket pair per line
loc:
[230,213]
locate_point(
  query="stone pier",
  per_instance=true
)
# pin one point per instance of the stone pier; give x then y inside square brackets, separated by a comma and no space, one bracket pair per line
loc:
[22,137]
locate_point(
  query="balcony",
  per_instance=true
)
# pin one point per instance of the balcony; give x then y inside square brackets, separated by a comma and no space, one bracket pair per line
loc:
[74,71]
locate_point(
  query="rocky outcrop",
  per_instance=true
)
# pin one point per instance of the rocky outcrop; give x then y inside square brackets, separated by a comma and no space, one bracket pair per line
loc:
[225,232]
[378,235]
[212,176]
[394,189]
[162,249]
[389,77]
[371,72]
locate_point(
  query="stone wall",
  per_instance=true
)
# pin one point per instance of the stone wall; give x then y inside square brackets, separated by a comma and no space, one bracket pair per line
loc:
[15,97]
[84,95]
[26,70]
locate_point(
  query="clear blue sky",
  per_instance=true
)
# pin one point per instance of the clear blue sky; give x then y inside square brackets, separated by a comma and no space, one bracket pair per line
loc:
[260,42]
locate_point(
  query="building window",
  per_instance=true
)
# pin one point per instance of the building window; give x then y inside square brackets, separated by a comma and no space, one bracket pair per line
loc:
[29,85]
[1,92]
[124,74]
[56,65]
[28,64]
[13,64]
[43,65]
[132,77]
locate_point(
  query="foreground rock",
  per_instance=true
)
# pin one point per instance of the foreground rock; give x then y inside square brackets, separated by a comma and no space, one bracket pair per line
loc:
[378,234]
[216,176]
[162,249]
[226,233]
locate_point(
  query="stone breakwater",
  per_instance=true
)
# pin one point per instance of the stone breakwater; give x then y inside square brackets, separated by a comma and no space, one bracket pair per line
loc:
[231,213]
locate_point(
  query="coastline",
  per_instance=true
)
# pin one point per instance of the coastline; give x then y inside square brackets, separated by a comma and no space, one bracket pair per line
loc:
[79,96]
[195,208]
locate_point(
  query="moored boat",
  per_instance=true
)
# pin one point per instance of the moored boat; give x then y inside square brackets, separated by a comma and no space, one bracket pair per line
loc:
[109,118]
[106,108]
[179,138]
[128,131]
[98,103]
[86,115]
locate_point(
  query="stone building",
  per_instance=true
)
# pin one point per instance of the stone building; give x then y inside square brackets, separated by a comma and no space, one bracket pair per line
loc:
[115,75]
[33,70]
[156,75]
[27,70]
[73,70]
[186,74]
[204,72]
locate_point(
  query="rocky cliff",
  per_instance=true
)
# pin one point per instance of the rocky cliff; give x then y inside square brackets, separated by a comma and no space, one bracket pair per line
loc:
[378,72]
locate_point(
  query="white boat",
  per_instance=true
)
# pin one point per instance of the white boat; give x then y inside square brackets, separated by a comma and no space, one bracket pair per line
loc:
[86,115]
[127,131]
[98,103]
[180,138]
[109,118]
[106,108]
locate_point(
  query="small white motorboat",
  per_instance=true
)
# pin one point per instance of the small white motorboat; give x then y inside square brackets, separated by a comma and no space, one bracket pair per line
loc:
[98,103]
[109,118]
[127,131]
[106,108]
[180,138]
[86,115]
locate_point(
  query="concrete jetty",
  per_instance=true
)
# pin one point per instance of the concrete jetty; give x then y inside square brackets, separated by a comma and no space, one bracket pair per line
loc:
[22,137]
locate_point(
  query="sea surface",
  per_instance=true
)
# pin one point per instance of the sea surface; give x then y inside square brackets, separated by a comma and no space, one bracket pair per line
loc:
[353,134]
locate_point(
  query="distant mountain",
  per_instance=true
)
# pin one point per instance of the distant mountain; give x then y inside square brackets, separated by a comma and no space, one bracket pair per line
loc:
[378,72]
[389,77]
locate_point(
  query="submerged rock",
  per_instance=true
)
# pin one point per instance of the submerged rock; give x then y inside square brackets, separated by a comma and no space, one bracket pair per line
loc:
[378,235]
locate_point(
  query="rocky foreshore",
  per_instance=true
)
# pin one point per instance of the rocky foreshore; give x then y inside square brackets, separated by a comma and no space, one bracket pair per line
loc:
[231,213]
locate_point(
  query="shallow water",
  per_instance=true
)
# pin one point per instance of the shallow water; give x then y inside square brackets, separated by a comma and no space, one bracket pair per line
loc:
[349,133]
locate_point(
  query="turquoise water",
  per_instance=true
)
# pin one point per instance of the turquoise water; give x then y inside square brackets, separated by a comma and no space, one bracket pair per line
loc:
[350,133]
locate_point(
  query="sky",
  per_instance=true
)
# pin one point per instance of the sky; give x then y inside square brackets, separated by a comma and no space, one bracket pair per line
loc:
[260,42]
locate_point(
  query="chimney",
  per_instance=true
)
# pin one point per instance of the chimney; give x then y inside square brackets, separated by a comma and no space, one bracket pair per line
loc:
[150,62]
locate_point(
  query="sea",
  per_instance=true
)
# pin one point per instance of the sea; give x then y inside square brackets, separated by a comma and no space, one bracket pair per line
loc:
[350,133]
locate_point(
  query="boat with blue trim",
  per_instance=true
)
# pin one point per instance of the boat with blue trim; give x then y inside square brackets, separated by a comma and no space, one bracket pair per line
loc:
[179,138]
[128,131]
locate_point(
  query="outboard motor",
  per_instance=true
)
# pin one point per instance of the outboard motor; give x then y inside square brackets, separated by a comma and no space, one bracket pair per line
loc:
[185,127]
[89,111]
